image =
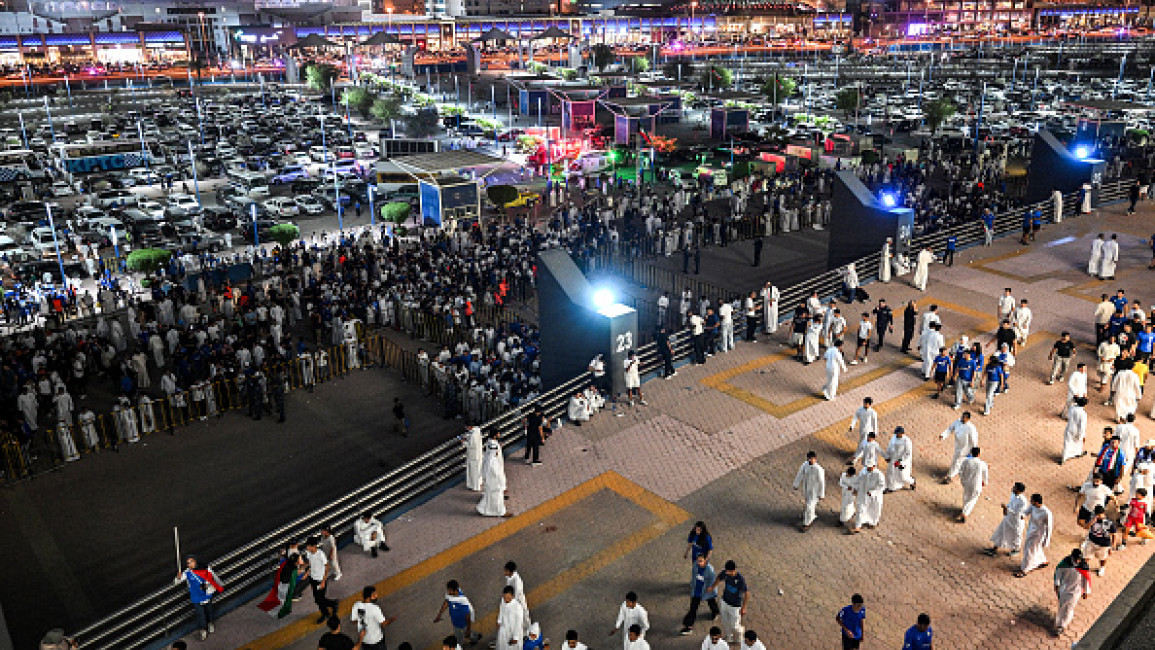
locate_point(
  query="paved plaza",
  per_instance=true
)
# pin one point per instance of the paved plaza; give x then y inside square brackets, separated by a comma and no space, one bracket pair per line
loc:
[609,510]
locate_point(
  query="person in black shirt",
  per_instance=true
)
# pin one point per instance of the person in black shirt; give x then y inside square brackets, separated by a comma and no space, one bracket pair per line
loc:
[883,322]
[400,423]
[665,351]
[1005,334]
[334,640]
[798,328]
[534,436]
[1060,357]
[909,321]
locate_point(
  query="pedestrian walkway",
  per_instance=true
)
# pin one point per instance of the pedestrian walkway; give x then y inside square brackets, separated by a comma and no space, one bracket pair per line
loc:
[609,510]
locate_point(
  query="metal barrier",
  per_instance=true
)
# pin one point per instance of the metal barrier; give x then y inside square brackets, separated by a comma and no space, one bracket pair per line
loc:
[159,614]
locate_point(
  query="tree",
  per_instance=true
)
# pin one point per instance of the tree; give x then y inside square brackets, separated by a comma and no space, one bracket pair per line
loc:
[284,233]
[603,56]
[847,101]
[936,112]
[717,77]
[386,108]
[360,100]
[147,260]
[320,76]
[641,63]
[501,194]
[678,70]
[396,212]
[423,124]
[777,87]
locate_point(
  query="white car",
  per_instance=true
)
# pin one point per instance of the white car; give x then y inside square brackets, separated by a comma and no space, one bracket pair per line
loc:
[41,241]
[143,176]
[308,204]
[62,188]
[318,153]
[364,150]
[187,203]
[13,252]
[152,209]
[281,207]
[113,198]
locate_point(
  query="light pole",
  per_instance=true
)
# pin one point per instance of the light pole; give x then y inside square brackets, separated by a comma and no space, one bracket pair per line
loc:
[372,191]
[256,232]
[48,112]
[115,244]
[24,133]
[143,149]
[193,165]
[55,243]
[337,198]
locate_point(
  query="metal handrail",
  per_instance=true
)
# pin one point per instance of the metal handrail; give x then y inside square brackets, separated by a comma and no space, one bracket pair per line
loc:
[248,565]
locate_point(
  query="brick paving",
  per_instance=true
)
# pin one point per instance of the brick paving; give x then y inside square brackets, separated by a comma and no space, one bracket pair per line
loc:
[730,461]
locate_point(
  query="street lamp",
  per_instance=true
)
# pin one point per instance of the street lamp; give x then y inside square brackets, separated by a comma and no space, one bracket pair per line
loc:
[372,191]
[55,243]
[256,232]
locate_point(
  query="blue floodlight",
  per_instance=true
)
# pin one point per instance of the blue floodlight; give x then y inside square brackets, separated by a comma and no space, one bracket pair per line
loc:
[603,298]
[1082,152]
[888,200]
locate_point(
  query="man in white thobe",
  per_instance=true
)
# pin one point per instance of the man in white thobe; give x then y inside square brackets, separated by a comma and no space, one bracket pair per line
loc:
[835,366]
[512,621]
[1076,387]
[1072,584]
[973,476]
[578,409]
[1040,524]
[1110,258]
[870,488]
[966,437]
[847,483]
[899,457]
[1128,435]
[812,479]
[922,269]
[810,341]
[492,502]
[631,613]
[1125,393]
[1096,262]
[1057,200]
[1076,431]
[369,532]
[929,344]
[866,419]
[1006,305]
[474,446]
[770,307]
[1009,533]
[884,262]
[1021,321]
[871,451]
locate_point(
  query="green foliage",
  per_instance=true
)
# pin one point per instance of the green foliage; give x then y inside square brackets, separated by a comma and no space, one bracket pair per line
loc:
[936,112]
[717,77]
[360,100]
[386,108]
[536,67]
[527,144]
[396,212]
[778,87]
[320,76]
[425,123]
[285,233]
[642,63]
[501,194]
[603,56]
[147,260]
[847,100]
[568,74]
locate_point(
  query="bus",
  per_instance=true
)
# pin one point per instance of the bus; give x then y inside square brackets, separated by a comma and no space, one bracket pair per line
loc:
[390,178]
[107,155]
[20,164]
[253,184]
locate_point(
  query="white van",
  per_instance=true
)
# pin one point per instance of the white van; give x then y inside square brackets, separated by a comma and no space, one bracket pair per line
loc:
[253,184]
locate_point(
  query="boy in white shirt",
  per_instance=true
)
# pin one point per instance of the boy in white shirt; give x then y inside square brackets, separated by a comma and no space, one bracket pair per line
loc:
[714,640]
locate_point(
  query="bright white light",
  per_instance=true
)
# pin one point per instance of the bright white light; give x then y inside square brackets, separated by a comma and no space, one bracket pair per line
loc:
[603,298]
[888,200]
[1082,152]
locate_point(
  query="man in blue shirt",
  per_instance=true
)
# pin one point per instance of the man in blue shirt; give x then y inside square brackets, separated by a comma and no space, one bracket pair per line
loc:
[734,595]
[460,613]
[995,376]
[1119,300]
[951,247]
[988,227]
[964,380]
[701,589]
[942,366]
[1146,340]
[851,619]
[920,636]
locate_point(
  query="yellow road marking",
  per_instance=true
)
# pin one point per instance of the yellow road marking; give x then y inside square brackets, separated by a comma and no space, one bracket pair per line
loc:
[721,381]
[668,515]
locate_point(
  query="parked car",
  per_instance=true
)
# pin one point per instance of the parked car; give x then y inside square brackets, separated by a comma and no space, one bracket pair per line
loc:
[281,206]
[113,198]
[290,174]
[308,204]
